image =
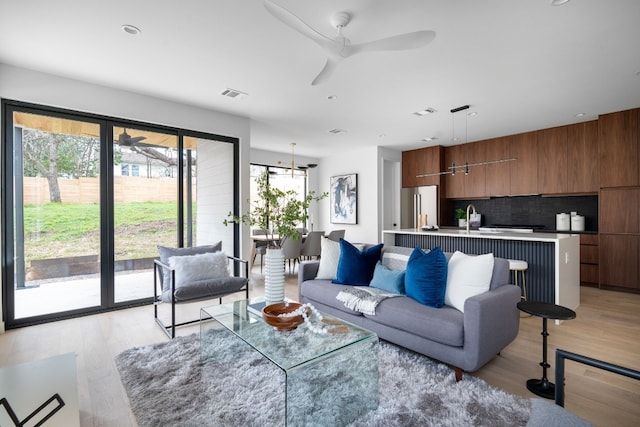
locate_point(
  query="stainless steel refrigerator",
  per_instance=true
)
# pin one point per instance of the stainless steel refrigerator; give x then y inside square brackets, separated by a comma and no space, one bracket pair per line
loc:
[417,202]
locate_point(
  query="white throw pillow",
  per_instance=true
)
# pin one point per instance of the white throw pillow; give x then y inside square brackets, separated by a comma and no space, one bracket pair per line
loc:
[191,268]
[329,258]
[468,275]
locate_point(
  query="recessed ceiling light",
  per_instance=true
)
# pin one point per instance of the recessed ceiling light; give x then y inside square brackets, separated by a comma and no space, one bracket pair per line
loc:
[580,115]
[559,2]
[131,29]
[382,135]
[332,97]
[337,131]
[424,112]
[431,138]
[475,113]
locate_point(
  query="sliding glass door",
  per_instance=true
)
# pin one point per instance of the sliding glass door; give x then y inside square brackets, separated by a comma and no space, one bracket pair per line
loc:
[145,206]
[56,215]
[89,199]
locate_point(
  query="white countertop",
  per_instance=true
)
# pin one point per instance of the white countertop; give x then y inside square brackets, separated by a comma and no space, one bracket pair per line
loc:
[501,235]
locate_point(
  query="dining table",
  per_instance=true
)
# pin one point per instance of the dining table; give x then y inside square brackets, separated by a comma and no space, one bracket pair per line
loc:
[255,238]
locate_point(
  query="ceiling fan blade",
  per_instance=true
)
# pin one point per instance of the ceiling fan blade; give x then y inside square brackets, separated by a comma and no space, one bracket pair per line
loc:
[399,42]
[296,23]
[137,138]
[326,71]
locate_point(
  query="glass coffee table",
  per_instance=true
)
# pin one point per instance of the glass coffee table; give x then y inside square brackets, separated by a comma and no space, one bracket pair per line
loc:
[330,379]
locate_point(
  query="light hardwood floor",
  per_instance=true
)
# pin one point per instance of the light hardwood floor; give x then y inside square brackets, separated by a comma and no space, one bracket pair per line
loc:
[607,327]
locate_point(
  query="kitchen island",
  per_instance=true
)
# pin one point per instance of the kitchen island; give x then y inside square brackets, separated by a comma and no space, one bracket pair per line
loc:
[553,275]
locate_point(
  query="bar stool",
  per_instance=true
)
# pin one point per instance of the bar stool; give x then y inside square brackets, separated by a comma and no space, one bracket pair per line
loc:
[519,267]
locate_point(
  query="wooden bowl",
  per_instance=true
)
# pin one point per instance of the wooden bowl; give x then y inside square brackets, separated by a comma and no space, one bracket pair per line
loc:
[271,313]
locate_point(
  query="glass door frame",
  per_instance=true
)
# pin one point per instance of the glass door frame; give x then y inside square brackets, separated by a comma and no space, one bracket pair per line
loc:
[107,259]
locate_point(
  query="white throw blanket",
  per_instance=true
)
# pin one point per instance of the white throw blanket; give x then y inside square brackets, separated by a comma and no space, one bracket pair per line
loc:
[363,299]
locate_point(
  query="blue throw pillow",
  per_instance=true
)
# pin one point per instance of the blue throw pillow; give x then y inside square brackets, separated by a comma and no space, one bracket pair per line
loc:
[355,267]
[426,277]
[387,279]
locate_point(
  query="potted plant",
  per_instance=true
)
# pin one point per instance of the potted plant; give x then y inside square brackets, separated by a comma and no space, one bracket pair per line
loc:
[461,216]
[278,212]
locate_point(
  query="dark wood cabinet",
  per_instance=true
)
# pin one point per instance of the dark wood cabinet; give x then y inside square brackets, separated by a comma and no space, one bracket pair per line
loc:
[619,258]
[619,201]
[583,163]
[589,260]
[619,210]
[456,155]
[523,172]
[618,149]
[552,160]
[497,174]
[423,161]
[474,186]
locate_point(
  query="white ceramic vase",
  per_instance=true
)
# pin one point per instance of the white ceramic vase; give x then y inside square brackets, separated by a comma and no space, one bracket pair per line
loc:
[274,276]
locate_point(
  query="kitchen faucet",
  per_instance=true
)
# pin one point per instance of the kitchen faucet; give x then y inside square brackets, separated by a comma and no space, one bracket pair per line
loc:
[474,214]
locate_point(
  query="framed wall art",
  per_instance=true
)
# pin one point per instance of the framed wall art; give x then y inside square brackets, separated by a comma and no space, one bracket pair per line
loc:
[343,196]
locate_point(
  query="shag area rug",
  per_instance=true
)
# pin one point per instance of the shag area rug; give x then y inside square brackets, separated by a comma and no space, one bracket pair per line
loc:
[174,384]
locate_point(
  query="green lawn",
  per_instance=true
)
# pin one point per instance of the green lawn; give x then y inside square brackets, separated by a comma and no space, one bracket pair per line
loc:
[61,229]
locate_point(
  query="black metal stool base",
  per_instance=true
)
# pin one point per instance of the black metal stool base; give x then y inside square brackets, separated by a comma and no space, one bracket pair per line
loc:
[542,388]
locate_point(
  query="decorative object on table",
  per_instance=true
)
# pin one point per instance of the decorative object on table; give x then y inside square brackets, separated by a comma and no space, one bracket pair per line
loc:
[287,316]
[344,199]
[279,212]
[284,316]
[242,388]
[274,276]
[563,222]
[543,387]
[461,216]
[577,222]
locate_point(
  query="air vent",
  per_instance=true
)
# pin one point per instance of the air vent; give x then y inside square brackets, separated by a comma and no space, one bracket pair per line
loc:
[337,131]
[232,93]
[424,112]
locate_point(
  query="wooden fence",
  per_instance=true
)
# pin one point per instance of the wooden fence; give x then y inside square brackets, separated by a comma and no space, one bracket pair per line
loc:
[127,189]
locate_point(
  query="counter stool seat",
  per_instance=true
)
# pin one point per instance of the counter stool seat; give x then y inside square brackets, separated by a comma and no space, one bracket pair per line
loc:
[519,267]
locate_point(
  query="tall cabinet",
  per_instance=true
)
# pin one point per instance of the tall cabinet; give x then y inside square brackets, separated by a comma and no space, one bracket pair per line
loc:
[619,152]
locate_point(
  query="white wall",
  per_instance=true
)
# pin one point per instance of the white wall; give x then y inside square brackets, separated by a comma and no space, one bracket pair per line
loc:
[40,88]
[368,163]
[215,176]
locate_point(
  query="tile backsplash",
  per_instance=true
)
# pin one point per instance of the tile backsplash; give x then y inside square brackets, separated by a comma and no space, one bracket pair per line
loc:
[533,210]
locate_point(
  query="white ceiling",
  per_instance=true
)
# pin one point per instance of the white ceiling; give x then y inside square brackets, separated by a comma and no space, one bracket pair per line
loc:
[521,65]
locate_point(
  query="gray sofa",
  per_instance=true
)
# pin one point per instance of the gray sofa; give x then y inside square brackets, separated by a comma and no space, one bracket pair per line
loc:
[465,341]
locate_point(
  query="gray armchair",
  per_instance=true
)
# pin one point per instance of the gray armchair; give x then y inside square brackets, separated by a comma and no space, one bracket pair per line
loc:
[193,274]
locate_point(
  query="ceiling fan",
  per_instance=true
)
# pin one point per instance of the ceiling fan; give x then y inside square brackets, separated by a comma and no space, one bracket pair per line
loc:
[339,47]
[126,140]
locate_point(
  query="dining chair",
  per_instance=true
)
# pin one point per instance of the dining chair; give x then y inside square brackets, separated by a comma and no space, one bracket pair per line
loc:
[291,250]
[336,235]
[312,245]
[261,247]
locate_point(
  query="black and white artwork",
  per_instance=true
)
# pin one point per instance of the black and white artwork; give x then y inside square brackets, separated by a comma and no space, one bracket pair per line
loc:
[344,199]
